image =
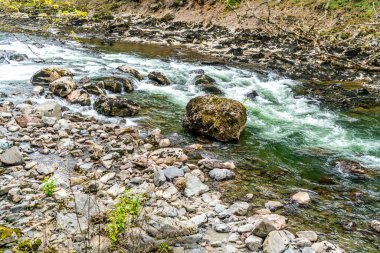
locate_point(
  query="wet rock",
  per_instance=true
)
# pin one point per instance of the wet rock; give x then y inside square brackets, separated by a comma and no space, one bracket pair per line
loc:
[350,167]
[117,84]
[38,90]
[136,74]
[252,95]
[220,118]
[9,55]
[194,186]
[254,243]
[375,225]
[63,86]
[115,106]
[50,108]
[158,78]
[310,235]
[207,84]
[301,198]
[221,174]
[326,247]
[277,241]
[95,88]
[11,156]
[79,97]
[47,75]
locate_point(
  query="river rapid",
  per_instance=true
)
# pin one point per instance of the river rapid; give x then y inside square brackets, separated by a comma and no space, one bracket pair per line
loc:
[289,144]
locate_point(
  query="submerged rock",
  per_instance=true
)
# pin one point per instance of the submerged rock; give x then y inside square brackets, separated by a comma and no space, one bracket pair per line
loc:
[207,84]
[158,78]
[79,97]
[47,75]
[63,86]
[115,106]
[136,74]
[220,118]
[350,167]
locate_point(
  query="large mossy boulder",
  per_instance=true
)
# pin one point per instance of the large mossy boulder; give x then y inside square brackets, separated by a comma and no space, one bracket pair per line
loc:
[47,75]
[207,84]
[116,106]
[217,117]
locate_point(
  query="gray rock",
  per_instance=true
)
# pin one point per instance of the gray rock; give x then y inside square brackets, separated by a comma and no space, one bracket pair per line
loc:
[194,186]
[50,108]
[238,208]
[126,69]
[230,249]
[222,228]
[254,243]
[159,178]
[158,78]
[246,228]
[375,225]
[173,172]
[199,220]
[166,227]
[44,170]
[277,241]
[221,174]
[63,86]
[263,227]
[310,235]
[326,247]
[273,205]
[11,156]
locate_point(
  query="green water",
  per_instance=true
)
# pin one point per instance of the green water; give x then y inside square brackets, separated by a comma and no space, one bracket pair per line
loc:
[289,143]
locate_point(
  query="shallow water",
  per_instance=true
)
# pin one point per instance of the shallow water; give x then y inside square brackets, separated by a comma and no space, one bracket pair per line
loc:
[289,144]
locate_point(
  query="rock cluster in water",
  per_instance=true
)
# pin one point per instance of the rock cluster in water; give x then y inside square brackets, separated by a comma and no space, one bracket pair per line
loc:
[94,162]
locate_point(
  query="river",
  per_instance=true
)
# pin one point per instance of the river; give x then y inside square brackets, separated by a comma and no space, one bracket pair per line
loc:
[289,143]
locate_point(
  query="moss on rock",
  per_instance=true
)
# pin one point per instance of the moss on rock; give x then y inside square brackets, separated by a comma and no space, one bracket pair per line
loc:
[217,117]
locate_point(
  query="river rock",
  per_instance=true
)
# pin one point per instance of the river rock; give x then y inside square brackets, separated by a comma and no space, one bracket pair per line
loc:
[79,97]
[50,108]
[38,90]
[159,178]
[26,120]
[221,174]
[237,208]
[273,205]
[173,172]
[301,198]
[158,78]
[194,186]
[326,247]
[215,164]
[375,225]
[277,241]
[252,95]
[117,84]
[310,235]
[253,243]
[95,88]
[220,118]
[207,84]
[47,75]
[63,86]
[11,156]
[115,106]
[131,71]
[351,167]
[263,227]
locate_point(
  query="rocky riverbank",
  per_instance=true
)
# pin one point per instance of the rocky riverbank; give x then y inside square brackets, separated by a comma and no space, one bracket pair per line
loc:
[93,163]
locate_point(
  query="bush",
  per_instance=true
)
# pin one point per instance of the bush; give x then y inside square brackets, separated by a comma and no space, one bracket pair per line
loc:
[48,186]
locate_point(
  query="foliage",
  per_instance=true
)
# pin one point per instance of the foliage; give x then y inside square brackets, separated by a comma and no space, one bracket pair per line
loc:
[27,246]
[48,186]
[126,210]
[164,248]
[231,4]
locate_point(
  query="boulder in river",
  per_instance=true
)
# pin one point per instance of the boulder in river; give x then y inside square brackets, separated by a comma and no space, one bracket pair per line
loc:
[115,106]
[95,88]
[63,86]
[133,72]
[79,97]
[252,95]
[117,84]
[207,84]
[47,75]
[350,167]
[217,117]
[158,78]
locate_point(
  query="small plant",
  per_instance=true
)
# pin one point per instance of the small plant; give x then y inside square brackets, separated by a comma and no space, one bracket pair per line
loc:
[164,248]
[231,4]
[48,186]
[127,209]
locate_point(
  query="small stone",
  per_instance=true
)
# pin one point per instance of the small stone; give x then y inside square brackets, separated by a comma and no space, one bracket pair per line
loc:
[230,249]
[277,241]
[11,156]
[221,174]
[273,205]
[310,235]
[326,247]
[222,228]
[375,225]
[173,172]
[194,186]
[159,178]
[301,198]
[246,228]
[104,179]
[164,143]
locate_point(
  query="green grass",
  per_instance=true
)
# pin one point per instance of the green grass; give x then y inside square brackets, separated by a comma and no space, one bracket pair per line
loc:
[48,186]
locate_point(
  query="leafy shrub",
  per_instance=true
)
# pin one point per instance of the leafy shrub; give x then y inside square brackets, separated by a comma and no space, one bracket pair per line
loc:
[48,186]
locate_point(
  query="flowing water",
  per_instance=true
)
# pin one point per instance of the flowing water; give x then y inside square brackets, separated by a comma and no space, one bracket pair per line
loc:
[289,144]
